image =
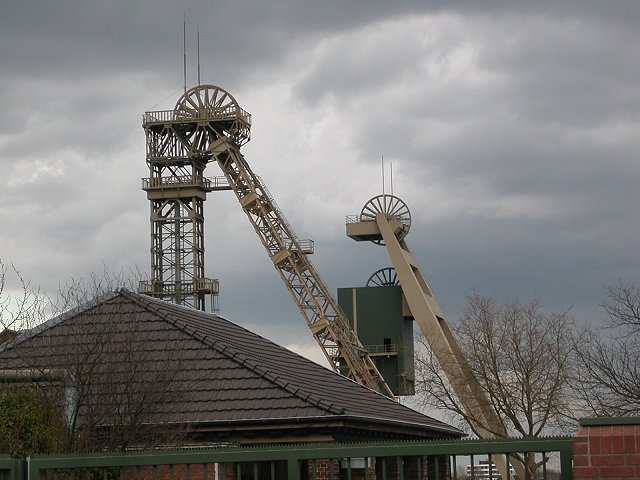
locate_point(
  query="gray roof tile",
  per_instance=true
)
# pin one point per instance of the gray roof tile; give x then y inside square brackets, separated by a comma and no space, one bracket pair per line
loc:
[222,371]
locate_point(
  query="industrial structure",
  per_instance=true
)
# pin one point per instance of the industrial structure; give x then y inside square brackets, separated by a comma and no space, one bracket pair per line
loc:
[379,316]
[177,153]
[386,220]
[208,125]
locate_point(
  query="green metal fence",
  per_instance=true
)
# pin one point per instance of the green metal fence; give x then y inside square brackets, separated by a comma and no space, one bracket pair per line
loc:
[278,462]
[10,468]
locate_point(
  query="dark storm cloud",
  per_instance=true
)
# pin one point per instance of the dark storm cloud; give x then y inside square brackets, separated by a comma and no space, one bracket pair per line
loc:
[512,127]
[535,138]
[67,39]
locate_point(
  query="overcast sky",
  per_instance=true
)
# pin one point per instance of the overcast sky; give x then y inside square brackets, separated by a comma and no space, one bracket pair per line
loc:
[512,128]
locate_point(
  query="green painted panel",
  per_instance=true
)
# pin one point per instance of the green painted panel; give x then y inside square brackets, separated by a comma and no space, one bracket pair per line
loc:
[376,315]
[603,421]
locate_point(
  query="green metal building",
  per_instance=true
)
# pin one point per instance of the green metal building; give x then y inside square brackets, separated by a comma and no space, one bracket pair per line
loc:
[382,321]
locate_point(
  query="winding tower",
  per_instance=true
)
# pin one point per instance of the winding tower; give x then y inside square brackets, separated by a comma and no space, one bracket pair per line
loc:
[177,153]
[208,125]
[385,220]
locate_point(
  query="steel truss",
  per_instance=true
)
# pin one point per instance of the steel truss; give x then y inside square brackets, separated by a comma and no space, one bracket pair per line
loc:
[208,125]
[385,220]
[176,189]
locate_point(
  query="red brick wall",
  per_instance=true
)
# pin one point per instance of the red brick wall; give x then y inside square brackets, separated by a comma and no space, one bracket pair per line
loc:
[606,451]
[168,472]
[325,469]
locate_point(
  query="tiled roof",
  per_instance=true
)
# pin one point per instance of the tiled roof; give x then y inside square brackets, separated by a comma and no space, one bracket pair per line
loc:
[214,370]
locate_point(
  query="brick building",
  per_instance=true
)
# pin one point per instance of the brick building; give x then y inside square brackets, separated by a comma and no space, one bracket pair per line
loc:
[214,381]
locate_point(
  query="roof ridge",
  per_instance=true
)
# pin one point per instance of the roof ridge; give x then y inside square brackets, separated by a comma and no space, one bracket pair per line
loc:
[152,305]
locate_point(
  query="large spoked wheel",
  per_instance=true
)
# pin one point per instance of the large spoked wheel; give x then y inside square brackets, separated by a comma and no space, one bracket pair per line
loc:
[206,101]
[393,208]
[385,277]
[209,112]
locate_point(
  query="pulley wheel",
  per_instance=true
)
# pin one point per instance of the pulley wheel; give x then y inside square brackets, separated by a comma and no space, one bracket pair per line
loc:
[385,277]
[216,112]
[205,100]
[393,209]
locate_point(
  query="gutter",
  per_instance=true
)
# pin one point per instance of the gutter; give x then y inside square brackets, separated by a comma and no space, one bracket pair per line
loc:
[21,375]
[403,427]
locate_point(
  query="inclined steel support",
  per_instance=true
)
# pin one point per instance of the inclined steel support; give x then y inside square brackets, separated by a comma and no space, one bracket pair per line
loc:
[431,320]
[208,125]
[324,317]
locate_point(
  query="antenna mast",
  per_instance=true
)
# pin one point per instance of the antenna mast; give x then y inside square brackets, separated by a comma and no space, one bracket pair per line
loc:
[382,164]
[198,38]
[184,50]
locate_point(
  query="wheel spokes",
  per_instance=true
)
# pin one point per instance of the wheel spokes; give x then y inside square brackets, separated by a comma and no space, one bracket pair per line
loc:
[384,277]
[211,103]
[393,208]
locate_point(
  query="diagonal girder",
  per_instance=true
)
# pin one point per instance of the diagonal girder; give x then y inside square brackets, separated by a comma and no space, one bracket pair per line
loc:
[324,317]
[207,124]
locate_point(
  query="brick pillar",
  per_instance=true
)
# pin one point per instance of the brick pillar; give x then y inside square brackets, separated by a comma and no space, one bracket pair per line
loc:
[326,468]
[425,467]
[372,468]
[607,448]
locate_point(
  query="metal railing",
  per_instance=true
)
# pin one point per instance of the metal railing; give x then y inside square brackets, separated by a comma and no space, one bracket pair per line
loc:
[149,287]
[355,219]
[206,183]
[406,458]
[275,206]
[219,183]
[230,112]
[381,349]
[208,285]
[176,181]
[306,245]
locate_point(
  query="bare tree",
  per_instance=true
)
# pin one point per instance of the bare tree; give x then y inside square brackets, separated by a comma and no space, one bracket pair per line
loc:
[120,381]
[23,309]
[522,358]
[99,365]
[24,306]
[610,362]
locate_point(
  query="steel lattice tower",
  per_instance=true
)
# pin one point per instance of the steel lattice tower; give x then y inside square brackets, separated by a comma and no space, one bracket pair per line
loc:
[208,125]
[177,189]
